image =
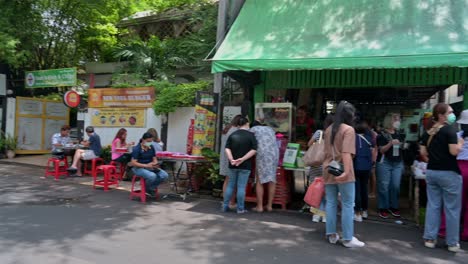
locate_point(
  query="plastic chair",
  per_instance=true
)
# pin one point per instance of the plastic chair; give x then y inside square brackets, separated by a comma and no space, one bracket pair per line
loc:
[110,177]
[94,164]
[58,169]
[140,193]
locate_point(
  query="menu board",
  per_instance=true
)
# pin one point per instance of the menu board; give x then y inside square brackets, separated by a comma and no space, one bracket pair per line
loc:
[205,122]
[118,117]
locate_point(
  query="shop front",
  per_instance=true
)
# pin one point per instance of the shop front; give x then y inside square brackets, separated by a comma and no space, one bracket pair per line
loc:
[310,55]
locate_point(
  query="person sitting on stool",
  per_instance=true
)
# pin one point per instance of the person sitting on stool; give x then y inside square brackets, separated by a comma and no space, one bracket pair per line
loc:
[145,164]
[94,151]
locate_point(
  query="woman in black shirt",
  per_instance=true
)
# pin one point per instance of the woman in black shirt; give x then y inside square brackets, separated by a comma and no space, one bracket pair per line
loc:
[444,182]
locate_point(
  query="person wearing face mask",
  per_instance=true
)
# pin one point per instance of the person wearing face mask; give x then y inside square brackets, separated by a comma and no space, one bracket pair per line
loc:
[389,167]
[444,182]
[462,160]
[145,164]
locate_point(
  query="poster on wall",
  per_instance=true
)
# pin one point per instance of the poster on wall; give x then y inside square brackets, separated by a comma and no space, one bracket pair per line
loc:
[29,107]
[29,133]
[205,121]
[56,110]
[118,117]
[121,97]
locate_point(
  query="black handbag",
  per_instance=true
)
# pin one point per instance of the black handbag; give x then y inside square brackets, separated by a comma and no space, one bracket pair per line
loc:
[335,168]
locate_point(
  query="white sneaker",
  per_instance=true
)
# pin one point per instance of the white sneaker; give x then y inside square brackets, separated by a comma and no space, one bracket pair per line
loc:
[333,239]
[455,248]
[365,215]
[324,219]
[316,218]
[430,243]
[354,243]
[357,217]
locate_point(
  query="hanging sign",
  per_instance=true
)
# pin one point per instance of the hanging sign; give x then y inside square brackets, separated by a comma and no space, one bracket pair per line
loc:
[50,78]
[71,99]
[121,97]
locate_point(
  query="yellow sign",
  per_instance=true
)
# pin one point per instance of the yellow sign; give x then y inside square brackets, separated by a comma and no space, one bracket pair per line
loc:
[121,97]
[204,129]
[118,117]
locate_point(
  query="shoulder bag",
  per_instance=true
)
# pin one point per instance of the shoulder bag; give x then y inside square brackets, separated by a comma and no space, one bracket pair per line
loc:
[315,155]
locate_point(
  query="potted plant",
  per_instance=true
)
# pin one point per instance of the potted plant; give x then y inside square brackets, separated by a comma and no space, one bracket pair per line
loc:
[10,144]
[213,176]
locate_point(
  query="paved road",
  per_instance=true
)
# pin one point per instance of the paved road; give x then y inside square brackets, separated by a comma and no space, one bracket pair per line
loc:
[43,221]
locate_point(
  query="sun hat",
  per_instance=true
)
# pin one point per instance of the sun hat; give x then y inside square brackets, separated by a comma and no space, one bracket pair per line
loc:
[463,117]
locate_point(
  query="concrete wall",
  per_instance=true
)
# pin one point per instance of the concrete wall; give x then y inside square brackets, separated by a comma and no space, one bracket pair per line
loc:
[179,123]
[178,126]
[10,116]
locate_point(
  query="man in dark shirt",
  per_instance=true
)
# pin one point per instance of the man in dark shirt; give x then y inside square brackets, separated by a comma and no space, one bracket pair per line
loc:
[241,146]
[94,151]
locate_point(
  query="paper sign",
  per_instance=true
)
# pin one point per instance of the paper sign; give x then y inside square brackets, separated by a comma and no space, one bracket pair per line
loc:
[118,117]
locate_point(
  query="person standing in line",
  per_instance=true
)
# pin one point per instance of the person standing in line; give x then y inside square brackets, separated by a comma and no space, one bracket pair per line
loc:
[444,182]
[266,163]
[363,162]
[389,167]
[223,160]
[241,146]
[340,146]
[318,171]
[94,151]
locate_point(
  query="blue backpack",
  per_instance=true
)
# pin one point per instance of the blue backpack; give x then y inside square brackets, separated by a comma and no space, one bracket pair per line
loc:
[363,157]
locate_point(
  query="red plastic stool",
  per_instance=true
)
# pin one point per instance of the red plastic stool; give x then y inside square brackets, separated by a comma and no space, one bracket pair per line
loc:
[110,177]
[140,193]
[94,164]
[121,168]
[58,169]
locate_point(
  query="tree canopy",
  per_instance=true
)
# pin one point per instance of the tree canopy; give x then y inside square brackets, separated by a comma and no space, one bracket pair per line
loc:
[43,34]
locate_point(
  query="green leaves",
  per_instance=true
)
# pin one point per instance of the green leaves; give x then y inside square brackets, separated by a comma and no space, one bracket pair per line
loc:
[181,95]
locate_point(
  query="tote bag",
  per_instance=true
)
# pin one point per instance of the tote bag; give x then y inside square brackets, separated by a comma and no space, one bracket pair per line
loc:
[315,155]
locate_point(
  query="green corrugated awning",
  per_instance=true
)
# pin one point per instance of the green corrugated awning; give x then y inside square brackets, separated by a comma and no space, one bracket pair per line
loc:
[342,34]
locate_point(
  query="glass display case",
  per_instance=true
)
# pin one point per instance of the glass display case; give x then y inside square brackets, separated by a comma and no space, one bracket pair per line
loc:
[278,116]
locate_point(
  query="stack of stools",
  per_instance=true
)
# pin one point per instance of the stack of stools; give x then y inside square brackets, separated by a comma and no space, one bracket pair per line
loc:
[57,167]
[283,189]
[141,192]
[110,177]
[94,164]
[121,167]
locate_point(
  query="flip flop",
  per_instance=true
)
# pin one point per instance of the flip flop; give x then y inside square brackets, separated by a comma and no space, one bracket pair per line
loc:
[72,170]
[255,209]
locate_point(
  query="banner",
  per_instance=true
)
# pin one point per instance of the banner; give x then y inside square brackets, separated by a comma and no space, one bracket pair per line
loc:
[205,122]
[121,97]
[118,117]
[50,78]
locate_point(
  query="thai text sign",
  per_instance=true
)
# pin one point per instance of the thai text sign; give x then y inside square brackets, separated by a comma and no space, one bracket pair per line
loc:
[50,78]
[118,117]
[121,97]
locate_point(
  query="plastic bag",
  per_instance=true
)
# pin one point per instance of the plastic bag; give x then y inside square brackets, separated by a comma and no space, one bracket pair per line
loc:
[315,192]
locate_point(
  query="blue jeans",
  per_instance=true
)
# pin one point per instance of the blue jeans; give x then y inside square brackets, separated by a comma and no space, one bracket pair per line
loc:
[152,179]
[444,188]
[237,178]
[388,183]
[347,191]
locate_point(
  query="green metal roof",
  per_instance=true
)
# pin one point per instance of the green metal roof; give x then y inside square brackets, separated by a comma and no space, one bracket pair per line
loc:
[341,34]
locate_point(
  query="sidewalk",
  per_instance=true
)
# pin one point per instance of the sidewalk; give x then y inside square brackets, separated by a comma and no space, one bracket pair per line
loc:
[48,221]
[39,161]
